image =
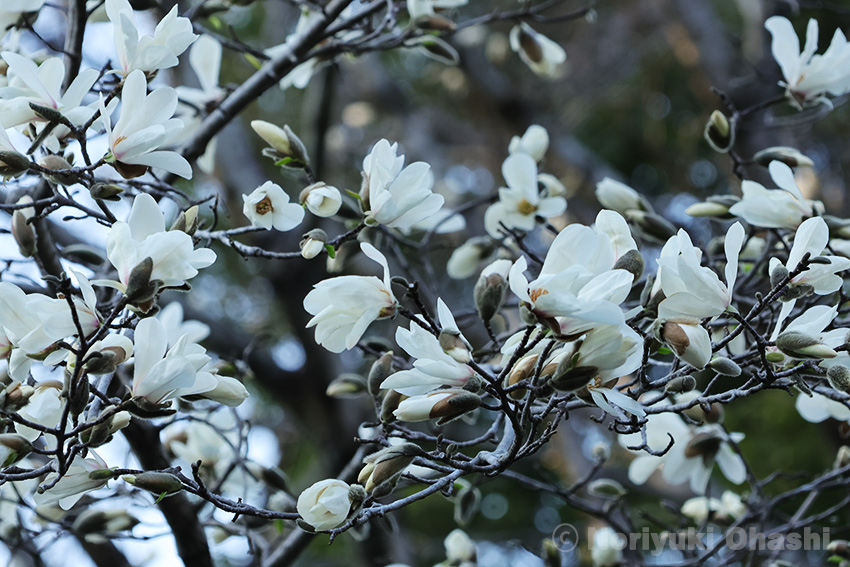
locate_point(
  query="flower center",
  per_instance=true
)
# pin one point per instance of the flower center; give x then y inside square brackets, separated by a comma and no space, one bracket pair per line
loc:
[526,208]
[264,206]
[535,293]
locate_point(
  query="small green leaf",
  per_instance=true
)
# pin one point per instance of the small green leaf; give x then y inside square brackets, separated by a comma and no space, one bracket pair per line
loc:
[161,496]
[353,194]
[664,350]
[284,162]
[215,22]
[278,524]
[331,250]
[252,60]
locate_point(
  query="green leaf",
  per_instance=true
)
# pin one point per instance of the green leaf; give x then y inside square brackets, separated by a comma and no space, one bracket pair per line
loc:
[252,60]
[161,496]
[284,162]
[331,250]
[353,194]
[278,524]
[215,22]
[664,350]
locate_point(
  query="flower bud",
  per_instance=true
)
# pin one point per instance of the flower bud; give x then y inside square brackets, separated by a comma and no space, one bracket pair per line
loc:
[778,275]
[57,163]
[651,225]
[16,396]
[720,132]
[681,384]
[725,366]
[792,157]
[286,146]
[459,548]
[443,404]
[490,289]
[384,468]
[840,547]
[313,243]
[632,262]
[842,458]
[379,372]
[346,385]
[390,405]
[140,288]
[467,504]
[552,186]
[94,521]
[711,209]
[14,448]
[102,474]
[187,221]
[839,378]
[321,199]
[22,230]
[620,197]
[606,488]
[156,482]
[102,432]
[464,260]
[434,22]
[12,164]
[48,113]
[106,191]
[601,451]
[800,345]
[327,503]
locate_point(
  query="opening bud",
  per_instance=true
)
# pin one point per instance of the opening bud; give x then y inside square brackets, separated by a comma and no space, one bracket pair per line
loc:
[140,288]
[313,243]
[720,132]
[384,468]
[346,385]
[321,199]
[436,48]
[454,345]
[524,368]
[57,164]
[842,458]
[434,22]
[14,448]
[651,224]
[16,396]
[800,345]
[22,230]
[187,221]
[12,164]
[704,445]
[490,289]
[105,522]
[287,148]
[467,504]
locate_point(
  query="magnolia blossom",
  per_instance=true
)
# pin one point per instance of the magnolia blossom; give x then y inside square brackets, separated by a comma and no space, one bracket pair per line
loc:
[577,280]
[541,54]
[692,456]
[174,257]
[520,203]
[268,207]
[818,407]
[145,125]
[171,317]
[613,352]
[42,85]
[325,505]
[159,376]
[534,142]
[81,477]
[321,199]
[394,195]
[773,208]
[44,407]
[812,237]
[343,307]
[460,549]
[701,509]
[809,77]
[435,364]
[171,38]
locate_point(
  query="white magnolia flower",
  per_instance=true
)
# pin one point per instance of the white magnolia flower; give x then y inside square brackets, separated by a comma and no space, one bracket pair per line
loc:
[321,199]
[434,365]
[171,38]
[343,307]
[174,256]
[268,207]
[692,456]
[159,376]
[75,483]
[534,142]
[812,237]
[171,317]
[818,407]
[466,258]
[424,8]
[44,407]
[427,406]
[810,77]
[541,54]
[773,208]
[459,548]
[42,85]
[145,125]
[577,281]
[607,550]
[394,195]
[520,203]
[614,352]
[728,507]
[325,505]
[11,11]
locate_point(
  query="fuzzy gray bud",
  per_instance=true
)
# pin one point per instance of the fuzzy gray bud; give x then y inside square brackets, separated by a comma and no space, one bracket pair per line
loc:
[725,366]
[800,345]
